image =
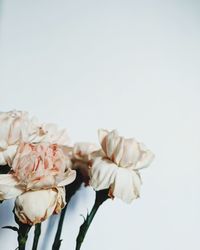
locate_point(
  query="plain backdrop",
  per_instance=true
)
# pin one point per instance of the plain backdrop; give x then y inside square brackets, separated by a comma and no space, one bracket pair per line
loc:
[130,65]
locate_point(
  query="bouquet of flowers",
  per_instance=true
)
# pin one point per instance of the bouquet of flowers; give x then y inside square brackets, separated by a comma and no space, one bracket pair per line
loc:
[42,170]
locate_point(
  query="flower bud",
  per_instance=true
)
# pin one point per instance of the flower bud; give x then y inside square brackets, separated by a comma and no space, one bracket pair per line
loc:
[33,207]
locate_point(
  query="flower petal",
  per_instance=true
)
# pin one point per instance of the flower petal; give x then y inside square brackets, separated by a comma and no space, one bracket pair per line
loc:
[112,140]
[126,185]
[146,157]
[83,150]
[7,156]
[102,173]
[131,153]
[102,133]
[9,187]
[118,153]
[67,178]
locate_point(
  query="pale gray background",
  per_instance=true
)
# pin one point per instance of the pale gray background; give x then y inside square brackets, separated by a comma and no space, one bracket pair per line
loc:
[130,65]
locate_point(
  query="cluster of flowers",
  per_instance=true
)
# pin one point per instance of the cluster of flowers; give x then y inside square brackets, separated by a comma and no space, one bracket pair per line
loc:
[42,162]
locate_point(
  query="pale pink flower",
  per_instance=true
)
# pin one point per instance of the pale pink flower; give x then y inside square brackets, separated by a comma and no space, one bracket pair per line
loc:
[38,170]
[16,127]
[42,165]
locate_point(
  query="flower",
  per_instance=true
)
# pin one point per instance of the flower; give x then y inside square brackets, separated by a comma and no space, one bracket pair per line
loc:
[117,165]
[50,133]
[42,165]
[37,169]
[81,158]
[16,127]
[34,207]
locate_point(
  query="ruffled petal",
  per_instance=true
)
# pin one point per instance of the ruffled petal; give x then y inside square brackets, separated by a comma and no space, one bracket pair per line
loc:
[102,173]
[146,157]
[131,153]
[83,150]
[9,187]
[7,156]
[126,185]
[66,178]
[112,140]
[102,133]
[118,153]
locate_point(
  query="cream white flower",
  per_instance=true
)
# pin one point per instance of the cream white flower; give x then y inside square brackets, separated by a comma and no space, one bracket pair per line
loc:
[16,126]
[117,165]
[34,207]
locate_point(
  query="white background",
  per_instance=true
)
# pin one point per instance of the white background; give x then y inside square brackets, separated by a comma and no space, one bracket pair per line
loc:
[130,65]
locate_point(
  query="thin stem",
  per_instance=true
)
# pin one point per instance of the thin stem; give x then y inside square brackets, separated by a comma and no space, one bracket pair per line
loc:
[23,236]
[57,240]
[71,189]
[101,196]
[22,233]
[37,233]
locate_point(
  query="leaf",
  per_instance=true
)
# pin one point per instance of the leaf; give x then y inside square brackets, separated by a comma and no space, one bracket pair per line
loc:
[11,228]
[84,219]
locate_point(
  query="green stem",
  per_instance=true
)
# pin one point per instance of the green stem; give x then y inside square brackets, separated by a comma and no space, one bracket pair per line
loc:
[71,189]
[37,233]
[101,196]
[57,240]
[23,236]
[5,169]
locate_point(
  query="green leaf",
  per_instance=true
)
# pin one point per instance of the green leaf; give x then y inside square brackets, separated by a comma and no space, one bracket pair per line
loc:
[12,228]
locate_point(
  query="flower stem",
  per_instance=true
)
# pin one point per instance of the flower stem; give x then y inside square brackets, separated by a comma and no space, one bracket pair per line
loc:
[37,233]
[57,240]
[71,189]
[101,196]
[23,235]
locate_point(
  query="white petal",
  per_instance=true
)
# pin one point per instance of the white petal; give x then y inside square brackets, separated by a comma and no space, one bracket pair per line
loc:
[112,140]
[102,133]
[118,153]
[67,178]
[7,156]
[131,153]
[126,185]
[83,150]
[9,187]
[146,157]
[102,173]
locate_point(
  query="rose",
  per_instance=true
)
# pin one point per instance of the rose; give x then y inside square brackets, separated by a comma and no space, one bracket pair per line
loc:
[16,126]
[117,165]
[40,167]
[33,207]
